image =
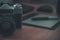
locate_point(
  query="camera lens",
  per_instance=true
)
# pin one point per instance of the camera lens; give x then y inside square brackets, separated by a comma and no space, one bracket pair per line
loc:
[7,28]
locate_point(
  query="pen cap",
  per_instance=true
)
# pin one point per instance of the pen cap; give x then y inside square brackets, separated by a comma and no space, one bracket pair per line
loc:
[52,17]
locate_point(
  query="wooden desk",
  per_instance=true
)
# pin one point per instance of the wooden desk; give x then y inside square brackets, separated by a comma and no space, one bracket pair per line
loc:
[32,33]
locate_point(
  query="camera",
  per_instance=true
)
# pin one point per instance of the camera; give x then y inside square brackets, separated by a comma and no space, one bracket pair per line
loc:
[10,18]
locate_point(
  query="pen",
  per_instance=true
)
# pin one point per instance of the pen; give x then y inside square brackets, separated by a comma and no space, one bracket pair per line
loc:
[45,18]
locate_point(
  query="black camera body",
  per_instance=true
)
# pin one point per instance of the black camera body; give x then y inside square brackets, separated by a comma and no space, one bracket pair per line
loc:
[10,18]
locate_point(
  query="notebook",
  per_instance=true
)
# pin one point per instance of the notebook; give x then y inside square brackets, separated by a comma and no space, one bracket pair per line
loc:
[49,24]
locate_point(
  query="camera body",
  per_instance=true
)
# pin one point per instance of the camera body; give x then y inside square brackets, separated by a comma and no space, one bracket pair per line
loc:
[10,18]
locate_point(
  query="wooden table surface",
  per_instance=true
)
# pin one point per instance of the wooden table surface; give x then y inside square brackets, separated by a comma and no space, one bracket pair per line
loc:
[33,33]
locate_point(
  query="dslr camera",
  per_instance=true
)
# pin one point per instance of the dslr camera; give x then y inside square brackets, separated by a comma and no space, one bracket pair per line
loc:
[10,17]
